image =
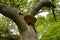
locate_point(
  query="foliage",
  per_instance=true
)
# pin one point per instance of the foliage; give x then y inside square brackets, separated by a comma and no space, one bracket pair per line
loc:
[4,27]
[6,24]
[48,28]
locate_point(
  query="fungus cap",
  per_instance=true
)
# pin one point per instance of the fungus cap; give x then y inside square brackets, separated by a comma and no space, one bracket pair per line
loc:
[30,19]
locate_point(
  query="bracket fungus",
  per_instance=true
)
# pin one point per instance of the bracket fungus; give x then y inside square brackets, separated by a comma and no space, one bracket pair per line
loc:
[30,19]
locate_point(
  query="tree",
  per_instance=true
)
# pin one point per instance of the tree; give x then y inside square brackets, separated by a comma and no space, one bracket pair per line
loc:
[26,31]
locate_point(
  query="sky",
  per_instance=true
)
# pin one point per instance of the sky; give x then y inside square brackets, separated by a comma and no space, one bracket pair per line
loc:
[58,2]
[1,15]
[42,14]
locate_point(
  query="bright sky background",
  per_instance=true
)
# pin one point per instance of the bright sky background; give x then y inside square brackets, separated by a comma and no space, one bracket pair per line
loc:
[42,14]
[1,16]
[58,2]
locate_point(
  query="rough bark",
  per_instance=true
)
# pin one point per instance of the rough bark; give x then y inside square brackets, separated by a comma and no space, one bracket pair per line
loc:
[26,32]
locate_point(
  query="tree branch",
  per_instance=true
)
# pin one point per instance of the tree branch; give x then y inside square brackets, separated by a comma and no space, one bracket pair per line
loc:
[39,6]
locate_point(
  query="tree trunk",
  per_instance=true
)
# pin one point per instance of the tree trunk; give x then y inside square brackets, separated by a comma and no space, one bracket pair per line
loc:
[26,32]
[30,34]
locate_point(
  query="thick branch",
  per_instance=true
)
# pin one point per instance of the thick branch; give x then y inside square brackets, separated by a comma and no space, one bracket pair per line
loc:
[40,5]
[14,15]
